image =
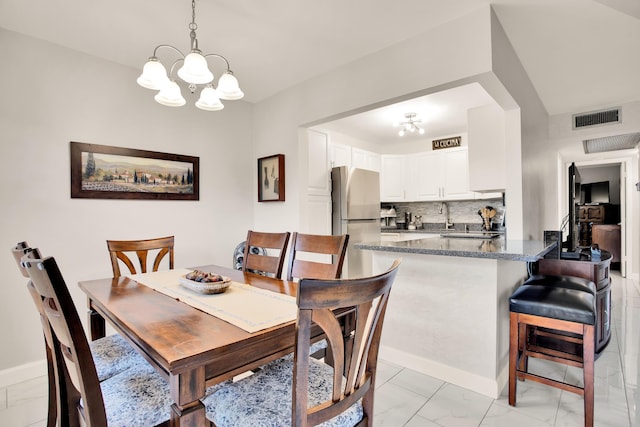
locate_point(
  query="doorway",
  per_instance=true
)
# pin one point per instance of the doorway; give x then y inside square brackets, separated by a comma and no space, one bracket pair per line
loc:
[594,174]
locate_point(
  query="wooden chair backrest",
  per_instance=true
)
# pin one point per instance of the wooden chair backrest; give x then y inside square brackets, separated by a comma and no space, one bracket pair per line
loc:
[76,372]
[355,355]
[270,264]
[118,251]
[19,251]
[336,246]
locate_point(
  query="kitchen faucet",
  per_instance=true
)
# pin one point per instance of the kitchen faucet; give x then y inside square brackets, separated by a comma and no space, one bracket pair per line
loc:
[447,224]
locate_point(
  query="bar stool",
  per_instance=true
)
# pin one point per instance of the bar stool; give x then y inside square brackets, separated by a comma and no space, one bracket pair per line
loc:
[560,309]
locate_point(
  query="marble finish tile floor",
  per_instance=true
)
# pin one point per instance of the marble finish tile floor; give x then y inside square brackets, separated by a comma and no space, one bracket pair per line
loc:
[411,399]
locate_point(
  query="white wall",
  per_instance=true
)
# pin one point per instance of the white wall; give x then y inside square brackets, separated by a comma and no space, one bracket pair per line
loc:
[526,122]
[51,96]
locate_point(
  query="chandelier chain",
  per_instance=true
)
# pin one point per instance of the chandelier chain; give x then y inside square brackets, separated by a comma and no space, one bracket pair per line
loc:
[193,26]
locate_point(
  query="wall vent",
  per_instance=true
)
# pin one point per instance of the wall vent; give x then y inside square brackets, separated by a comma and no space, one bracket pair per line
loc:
[628,141]
[596,118]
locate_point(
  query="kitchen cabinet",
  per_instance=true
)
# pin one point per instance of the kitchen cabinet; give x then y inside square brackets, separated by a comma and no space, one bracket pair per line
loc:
[316,209]
[345,155]
[455,177]
[427,170]
[364,159]
[339,155]
[318,182]
[393,178]
[487,149]
[429,176]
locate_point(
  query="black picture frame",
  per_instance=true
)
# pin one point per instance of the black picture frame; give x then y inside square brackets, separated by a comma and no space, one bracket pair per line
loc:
[107,172]
[271,178]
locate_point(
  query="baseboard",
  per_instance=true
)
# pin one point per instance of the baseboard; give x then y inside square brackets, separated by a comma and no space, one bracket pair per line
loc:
[483,385]
[22,373]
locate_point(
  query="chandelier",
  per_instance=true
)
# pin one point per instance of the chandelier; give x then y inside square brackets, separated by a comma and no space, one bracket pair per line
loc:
[194,71]
[409,124]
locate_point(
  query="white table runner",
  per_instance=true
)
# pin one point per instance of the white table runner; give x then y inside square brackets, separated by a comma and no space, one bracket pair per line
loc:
[244,306]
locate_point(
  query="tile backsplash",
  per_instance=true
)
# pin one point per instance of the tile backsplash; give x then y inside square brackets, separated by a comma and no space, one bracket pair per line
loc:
[460,212]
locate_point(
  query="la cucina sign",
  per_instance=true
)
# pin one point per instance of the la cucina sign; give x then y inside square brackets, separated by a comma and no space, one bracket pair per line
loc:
[446,143]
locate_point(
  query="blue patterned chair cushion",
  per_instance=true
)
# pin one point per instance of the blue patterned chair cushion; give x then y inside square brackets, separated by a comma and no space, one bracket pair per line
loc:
[137,397]
[113,355]
[264,398]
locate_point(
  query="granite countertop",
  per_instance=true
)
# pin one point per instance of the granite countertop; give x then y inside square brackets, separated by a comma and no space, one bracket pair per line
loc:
[496,248]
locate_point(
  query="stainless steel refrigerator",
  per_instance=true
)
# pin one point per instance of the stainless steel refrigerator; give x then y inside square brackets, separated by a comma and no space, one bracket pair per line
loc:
[355,197]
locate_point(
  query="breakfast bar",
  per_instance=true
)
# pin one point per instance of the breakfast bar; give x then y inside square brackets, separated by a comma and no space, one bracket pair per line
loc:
[448,315]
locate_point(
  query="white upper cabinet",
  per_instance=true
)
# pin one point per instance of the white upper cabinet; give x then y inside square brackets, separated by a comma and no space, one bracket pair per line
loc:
[426,172]
[487,148]
[364,159]
[441,175]
[429,176]
[340,155]
[344,155]
[393,178]
[318,182]
[455,177]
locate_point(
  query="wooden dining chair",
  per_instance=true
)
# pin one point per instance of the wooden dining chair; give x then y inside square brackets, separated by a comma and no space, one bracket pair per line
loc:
[269,264]
[305,391]
[118,250]
[111,354]
[313,245]
[138,396]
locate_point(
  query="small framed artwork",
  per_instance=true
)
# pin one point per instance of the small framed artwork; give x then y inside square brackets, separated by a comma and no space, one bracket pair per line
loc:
[271,178]
[106,172]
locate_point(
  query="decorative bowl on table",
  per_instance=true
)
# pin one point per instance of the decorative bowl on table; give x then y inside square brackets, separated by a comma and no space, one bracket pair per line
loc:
[204,282]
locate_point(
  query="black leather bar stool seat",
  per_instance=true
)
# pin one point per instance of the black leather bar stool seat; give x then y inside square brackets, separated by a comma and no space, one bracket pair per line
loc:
[553,318]
[567,282]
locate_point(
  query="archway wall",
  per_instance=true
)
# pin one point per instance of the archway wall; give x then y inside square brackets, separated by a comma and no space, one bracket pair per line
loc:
[439,58]
[472,48]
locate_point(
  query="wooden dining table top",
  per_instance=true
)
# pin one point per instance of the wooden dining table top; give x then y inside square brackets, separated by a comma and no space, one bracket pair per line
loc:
[191,348]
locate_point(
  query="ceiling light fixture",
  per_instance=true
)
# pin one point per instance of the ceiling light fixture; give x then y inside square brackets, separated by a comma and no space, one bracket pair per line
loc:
[409,125]
[194,70]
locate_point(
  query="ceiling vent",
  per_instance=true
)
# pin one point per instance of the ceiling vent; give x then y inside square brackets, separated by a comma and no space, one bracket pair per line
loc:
[596,118]
[611,143]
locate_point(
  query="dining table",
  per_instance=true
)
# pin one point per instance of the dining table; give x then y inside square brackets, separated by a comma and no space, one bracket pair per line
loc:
[191,348]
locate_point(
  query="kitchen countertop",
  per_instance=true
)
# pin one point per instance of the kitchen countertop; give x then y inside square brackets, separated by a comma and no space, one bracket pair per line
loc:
[497,248]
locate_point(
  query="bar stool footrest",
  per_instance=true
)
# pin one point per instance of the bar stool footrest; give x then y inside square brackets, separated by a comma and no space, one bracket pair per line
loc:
[554,383]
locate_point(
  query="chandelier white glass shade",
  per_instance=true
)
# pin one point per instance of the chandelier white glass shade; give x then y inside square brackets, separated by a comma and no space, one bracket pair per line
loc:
[195,71]
[410,124]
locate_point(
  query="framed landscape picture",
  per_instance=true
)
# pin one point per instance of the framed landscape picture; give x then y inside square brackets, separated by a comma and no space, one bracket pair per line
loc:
[271,178]
[106,172]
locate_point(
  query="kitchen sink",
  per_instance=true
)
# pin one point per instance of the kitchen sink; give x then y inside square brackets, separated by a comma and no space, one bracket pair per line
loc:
[472,235]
